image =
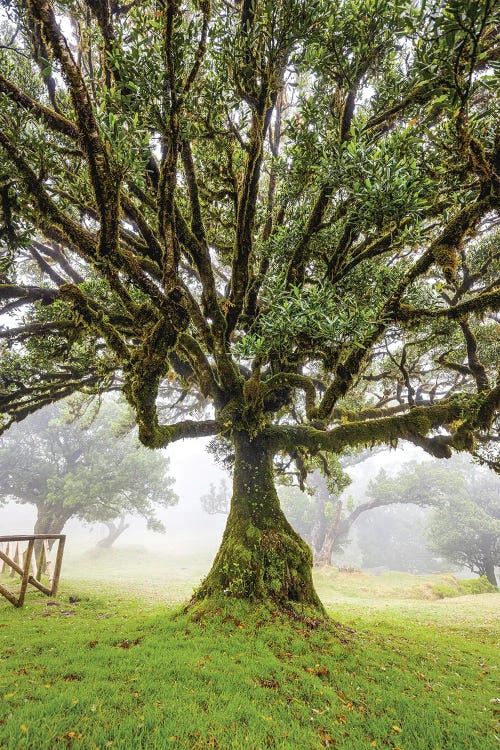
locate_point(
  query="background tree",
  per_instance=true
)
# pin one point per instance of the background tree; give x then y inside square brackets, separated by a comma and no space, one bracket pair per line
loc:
[464,526]
[217,499]
[326,516]
[325,480]
[67,469]
[286,209]
[115,527]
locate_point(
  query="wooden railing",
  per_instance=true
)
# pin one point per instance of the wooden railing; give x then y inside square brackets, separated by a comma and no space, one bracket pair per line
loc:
[30,557]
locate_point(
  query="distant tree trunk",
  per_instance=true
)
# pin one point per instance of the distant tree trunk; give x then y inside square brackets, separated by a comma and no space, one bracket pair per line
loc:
[489,571]
[324,556]
[319,529]
[115,529]
[261,557]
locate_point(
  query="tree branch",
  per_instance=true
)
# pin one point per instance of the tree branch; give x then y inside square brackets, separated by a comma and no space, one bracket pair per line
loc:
[414,426]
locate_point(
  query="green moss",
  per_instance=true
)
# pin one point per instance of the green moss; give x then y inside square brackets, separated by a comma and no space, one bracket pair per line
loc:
[261,557]
[446,257]
[253,534]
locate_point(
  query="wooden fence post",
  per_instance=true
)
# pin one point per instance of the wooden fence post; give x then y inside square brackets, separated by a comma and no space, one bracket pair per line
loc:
[24,564]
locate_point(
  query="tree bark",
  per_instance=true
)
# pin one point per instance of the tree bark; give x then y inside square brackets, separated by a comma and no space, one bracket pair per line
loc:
[489,572]
[48,521]
[261,557]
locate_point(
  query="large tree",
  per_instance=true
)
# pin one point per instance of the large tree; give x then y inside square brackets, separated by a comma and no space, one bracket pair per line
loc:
[287,207]
[79,468]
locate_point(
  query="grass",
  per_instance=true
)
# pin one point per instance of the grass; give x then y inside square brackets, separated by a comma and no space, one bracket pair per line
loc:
[117,671]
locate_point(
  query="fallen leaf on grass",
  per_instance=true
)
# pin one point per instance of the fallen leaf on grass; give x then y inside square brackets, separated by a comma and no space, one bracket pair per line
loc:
[322,671]
[128,644]
[271,684]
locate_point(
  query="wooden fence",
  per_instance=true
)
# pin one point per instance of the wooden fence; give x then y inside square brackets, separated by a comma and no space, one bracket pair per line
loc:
[30,557]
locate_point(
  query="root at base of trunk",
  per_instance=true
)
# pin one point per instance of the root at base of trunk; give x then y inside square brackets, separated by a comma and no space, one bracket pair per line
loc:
[262,565]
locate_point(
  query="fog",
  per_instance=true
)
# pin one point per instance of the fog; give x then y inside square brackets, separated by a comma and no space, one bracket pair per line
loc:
[182,555]
[189,530]
[192,536]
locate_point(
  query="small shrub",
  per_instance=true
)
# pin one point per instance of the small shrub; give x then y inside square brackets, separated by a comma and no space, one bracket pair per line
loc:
[462,588]
[478,586]
[443,592]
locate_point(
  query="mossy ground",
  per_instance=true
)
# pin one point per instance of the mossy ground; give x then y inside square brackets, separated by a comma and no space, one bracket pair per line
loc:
[115,670]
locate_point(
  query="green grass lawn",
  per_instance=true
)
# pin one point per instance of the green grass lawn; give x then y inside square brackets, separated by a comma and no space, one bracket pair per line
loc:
[392,669]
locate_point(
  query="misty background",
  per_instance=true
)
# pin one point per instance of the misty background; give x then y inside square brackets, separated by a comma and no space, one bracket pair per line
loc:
[193,536]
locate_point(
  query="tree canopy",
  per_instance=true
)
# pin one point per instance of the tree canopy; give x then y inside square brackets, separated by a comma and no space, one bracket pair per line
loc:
[70,468]
[285,212]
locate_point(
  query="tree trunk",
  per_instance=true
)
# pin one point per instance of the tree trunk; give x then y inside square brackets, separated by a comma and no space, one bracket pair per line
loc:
[48,521]
[114,531]
[489,572]
[319,526]
[324,556]
[261,557]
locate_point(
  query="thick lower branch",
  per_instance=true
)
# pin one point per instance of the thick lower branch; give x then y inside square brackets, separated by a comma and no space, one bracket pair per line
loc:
[414,426]
[166,434]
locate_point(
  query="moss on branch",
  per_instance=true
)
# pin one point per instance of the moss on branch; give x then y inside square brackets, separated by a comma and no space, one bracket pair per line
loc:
[471,412]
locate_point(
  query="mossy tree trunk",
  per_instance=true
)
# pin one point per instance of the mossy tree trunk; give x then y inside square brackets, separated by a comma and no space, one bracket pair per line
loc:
[49,521]
[261,557]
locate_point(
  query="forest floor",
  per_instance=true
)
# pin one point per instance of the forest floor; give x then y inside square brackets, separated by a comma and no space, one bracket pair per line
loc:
[124,667]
